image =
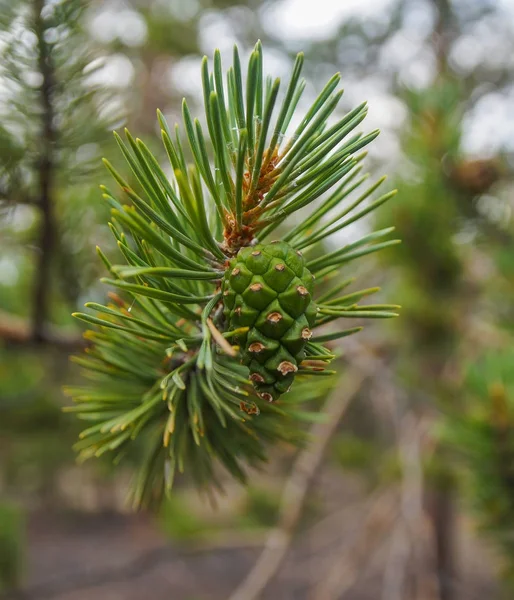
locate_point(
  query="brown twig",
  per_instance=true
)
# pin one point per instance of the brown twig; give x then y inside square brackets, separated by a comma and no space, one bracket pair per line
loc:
[18,331]
[344,571]
[220,340]
[414,527]
[412,542]
[295,492]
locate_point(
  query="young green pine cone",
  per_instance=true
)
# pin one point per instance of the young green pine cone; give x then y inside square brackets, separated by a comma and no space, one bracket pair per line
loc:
[268,288]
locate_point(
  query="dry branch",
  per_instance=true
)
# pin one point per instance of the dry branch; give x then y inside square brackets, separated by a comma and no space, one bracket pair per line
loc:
[295,491]
[349,561]
[18,331]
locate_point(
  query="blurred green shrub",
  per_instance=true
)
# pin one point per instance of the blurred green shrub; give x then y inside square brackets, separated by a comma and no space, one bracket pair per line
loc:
[12,545]
[481,434]
[179,522]
[353,452]
[260,508]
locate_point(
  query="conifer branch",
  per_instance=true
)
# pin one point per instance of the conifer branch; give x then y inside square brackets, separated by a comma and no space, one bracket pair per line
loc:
[194,361]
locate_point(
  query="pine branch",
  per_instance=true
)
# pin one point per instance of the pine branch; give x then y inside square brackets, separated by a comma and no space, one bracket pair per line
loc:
[194,360]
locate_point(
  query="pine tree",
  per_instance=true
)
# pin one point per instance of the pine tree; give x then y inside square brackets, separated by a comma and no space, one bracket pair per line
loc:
[220,298]
[54,121]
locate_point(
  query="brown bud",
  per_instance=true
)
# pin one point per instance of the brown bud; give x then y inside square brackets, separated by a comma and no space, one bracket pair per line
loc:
[303,291]
[257,377]
[280,267]
[226,292]
[274,317]
[475,177]
[286,367]
[299,253]
[115,298]
[236,271]
[256,253]
[256,287]
[256,347]
[238,311]
[266,396]
[306,333]
[249,409]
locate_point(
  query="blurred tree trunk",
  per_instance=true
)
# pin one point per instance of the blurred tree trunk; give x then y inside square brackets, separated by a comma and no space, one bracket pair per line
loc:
[46,179]
[441,496]
[441,510]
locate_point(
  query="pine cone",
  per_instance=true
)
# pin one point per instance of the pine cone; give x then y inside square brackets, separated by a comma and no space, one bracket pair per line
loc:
[475,177]
[268,289]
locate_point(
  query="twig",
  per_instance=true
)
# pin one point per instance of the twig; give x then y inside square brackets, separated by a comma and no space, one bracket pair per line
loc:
[345,569]
[220,340]
[409,543]
[413,529]
[295,491]
[11,198]
[327,531]
[414,526]
[398,559]
[18,331]
[418,526]
[395,574]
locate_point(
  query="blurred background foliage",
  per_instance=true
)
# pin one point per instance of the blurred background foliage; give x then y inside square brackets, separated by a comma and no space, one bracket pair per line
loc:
[439,79]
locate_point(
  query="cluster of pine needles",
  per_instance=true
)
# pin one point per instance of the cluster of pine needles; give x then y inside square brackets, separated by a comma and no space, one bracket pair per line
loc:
[165,382]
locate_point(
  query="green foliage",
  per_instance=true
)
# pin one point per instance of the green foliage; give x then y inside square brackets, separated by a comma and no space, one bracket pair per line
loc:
[55,122]
[428,216]
[39,36]
[355,453]
[444,233]
[179,522]
[430,270]
[481,434]
[12,546]
[162,365]
[31,451]
[260,508]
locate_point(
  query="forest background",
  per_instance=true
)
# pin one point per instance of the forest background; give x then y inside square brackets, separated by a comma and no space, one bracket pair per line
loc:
[411,495]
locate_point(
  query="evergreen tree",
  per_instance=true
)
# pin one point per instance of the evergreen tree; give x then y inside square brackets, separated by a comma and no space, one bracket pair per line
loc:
[54,122]
[442,192]
[481,436]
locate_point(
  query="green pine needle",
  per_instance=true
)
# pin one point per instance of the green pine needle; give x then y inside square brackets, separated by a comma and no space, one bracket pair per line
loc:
[166,385]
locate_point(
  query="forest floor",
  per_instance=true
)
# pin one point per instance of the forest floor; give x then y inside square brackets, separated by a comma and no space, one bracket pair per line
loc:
[112,556]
